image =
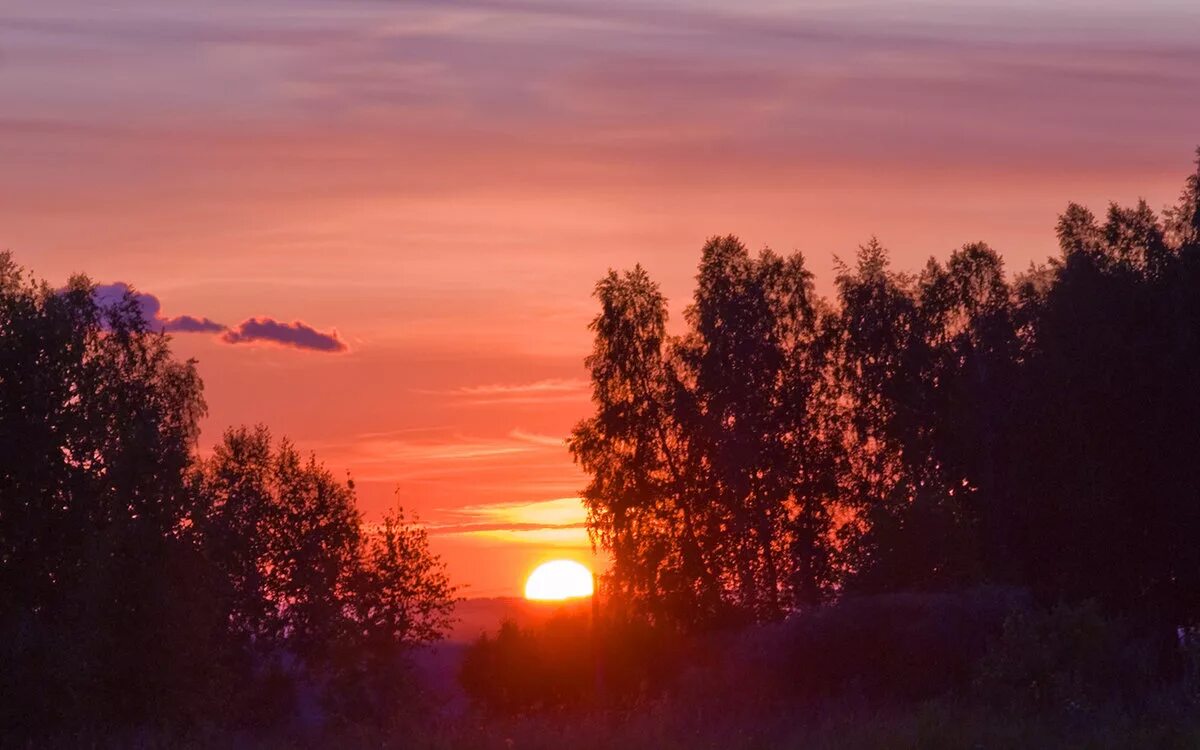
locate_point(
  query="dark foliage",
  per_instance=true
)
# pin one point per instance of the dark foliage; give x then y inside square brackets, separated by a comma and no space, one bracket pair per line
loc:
[891,647]
[565,663]
[141,585]
[712,474]
[922,432]
[1066,656]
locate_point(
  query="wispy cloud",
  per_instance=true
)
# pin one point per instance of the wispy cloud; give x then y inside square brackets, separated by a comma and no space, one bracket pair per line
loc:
[549,385]
[568,538]
[563,511]
[455,449]
[548,390]
[531,460]
[558,522]
[549,441]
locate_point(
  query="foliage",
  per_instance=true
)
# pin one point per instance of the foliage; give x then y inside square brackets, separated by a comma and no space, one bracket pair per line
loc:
[97,426]
[889,647]
[974,668]
[566,664]
[927,431]
[140,583]
[520,669]
[1068,656]
[937,725]
[710,474]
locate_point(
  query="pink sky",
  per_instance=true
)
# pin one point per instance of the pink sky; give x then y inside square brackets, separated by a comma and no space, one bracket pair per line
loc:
[441,183]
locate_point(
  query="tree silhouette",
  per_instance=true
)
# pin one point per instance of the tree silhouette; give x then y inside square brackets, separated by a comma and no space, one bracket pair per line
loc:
[1103,493]
[644,500]
[307,583]
[139,583]
[710,470]
[752,364]
[97,428]
[924,431]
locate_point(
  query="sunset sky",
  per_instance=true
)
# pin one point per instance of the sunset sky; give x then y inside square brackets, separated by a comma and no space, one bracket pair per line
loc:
[384,219]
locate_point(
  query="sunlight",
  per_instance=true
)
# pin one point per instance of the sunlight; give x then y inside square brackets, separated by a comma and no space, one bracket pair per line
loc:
[557,580]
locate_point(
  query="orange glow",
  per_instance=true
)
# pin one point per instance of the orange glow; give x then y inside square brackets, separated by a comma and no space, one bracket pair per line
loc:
[558,580]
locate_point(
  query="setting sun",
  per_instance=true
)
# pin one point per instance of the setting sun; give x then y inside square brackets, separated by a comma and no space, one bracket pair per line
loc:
[558,580]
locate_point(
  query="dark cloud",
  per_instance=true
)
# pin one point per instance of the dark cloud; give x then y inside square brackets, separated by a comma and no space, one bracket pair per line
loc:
[294,334]
[191,324]
[107,295]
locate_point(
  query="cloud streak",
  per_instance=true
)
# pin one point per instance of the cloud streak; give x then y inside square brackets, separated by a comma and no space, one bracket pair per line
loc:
[557,522]
[545,391]
[549,385]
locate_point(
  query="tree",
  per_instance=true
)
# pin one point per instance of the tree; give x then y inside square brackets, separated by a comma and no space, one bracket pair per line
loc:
[887,476]
[754,364]
[311,591]
[287,533]
[947,428]
[711,467]
[969,331]
[644,499]
[1102,496]
[97,428]
[400,598]
[139,583]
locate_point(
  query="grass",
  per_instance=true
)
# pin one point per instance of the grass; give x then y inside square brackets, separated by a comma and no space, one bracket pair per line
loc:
[933,725]
[1171,721]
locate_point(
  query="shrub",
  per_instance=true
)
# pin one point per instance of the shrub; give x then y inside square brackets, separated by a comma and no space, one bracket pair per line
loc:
[890,647]
[1069,657]
[557,664]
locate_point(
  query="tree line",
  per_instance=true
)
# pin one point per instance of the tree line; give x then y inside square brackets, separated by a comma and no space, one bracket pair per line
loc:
[955,426]
[141,582]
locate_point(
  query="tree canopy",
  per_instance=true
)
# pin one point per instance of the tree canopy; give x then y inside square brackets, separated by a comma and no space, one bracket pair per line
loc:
[947,427]
[141,581]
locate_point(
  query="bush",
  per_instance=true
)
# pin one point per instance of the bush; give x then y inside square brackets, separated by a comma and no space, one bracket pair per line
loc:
[888,647]
[1069,657]
[554,664]
[525,668]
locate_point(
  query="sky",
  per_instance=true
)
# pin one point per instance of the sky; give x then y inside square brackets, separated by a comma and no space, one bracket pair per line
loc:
[377,224]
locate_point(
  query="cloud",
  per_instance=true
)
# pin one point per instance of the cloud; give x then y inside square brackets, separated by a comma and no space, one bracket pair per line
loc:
[108,295]
[295,334]
[559,512]
[549,385]
[549,441]
[558,522]
[514,461]
[575,537]
[191,324]
[545,391]
[397,450]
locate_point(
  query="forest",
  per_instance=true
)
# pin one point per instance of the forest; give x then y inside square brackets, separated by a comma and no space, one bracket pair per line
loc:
[942,494]
[939,429]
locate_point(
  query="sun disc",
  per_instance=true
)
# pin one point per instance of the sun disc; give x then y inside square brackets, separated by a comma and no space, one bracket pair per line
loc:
[557,580]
